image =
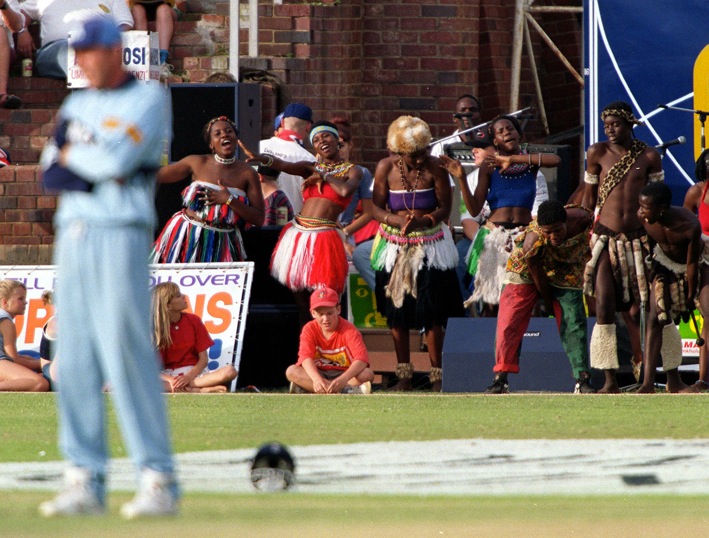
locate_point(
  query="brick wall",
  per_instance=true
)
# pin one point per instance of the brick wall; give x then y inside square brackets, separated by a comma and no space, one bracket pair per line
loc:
[378,60]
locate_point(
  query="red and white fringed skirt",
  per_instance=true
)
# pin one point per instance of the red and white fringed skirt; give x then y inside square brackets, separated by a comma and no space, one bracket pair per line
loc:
[310,253]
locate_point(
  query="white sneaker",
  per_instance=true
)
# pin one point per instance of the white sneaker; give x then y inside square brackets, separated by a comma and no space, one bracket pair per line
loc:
[155,497]
[364,388]
[77,497]
[296,389]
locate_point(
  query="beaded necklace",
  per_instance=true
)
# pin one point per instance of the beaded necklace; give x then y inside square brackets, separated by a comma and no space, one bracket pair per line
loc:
[516,169]
[337,169]
[222,160]
[407,186]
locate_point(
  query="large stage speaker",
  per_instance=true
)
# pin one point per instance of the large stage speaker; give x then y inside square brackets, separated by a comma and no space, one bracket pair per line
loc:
[270,346]
[193,105]
[559,178]
[259,243]
[469,356]
[272,327]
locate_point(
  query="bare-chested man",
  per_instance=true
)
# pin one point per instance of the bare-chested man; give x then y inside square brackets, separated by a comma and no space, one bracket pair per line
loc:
[674,273]
[616,172]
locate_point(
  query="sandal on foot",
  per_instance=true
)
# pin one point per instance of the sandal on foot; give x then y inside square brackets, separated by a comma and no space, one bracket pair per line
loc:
[10,101]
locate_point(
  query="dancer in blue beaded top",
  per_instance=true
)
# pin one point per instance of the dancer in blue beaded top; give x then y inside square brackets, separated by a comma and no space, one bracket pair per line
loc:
[224,192]
[508,182]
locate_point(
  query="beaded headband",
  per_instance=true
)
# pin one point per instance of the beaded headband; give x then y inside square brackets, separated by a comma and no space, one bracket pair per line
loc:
[625,114]
[220,118]
[320,129]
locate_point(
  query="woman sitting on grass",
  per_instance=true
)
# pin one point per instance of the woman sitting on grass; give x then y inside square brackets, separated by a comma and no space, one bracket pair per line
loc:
[183,342]
[17,372]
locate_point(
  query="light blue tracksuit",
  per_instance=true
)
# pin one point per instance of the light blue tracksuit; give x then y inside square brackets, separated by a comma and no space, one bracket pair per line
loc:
[103,299]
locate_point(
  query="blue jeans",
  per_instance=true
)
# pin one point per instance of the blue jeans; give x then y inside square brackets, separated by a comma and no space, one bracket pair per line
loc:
[360,259]
[461,270]
[52,58]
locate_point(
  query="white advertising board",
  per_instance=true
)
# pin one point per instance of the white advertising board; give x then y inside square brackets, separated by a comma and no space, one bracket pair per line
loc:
[217,292]
[141,58]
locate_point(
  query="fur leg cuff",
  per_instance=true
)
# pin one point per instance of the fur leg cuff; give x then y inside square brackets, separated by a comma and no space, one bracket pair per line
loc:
[436,374]
[404,370]
[671,350]
[604,347]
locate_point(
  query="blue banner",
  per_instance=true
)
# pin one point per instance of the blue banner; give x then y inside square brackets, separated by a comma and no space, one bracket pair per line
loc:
[644,53]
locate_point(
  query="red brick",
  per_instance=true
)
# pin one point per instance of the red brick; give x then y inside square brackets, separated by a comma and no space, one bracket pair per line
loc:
[22,228]
[291,10]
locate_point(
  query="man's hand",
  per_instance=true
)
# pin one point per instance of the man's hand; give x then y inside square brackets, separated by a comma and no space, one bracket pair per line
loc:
[336,385]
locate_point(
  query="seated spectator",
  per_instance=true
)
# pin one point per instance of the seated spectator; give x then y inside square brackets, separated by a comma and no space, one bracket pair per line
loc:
[277,209]
[287,145]
[183,342]
[17,372]
[332,357]
[47,346]
[57,18]
[163,14]
[13,21]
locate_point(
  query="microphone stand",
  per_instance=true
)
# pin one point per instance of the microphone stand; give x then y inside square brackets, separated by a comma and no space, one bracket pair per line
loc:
[702,114]
[517,113]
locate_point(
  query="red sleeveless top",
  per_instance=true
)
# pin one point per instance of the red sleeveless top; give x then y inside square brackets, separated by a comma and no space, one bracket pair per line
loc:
[703,211]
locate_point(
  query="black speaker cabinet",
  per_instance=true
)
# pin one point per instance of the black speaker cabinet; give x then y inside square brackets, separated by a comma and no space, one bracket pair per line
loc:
[193,105]
[559,178]
[271,339]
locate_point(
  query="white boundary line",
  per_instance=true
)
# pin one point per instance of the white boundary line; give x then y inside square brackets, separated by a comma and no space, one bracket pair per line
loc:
[468,467]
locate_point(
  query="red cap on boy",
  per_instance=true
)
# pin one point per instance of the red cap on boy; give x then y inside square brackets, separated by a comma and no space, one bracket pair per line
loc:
[324,297]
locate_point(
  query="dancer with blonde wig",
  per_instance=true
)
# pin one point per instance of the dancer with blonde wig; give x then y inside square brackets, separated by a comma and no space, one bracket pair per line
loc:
[413,255]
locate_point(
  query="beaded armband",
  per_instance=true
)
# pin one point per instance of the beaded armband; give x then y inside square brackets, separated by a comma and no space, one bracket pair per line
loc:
[591,179]
[657,176]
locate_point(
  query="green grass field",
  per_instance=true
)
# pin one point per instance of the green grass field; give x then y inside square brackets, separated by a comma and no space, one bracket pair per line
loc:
[203,422]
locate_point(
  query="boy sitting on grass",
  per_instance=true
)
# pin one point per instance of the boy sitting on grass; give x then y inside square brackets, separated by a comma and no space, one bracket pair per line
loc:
[332,357]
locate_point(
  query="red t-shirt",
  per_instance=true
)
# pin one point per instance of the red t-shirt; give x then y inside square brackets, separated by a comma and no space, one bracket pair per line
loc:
[189,338]
[335,353]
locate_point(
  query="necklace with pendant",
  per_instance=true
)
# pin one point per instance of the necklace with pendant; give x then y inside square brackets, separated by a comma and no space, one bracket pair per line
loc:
[222,160]
[407,186]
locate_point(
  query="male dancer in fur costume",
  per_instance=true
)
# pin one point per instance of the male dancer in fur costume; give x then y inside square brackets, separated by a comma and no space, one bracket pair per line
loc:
[675,274]
[617,170]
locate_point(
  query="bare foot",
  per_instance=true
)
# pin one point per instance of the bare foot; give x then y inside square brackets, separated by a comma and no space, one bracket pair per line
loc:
[402,385]
[681,388]
[437,386]
[610,389]
[646,389]
[209,390]
[701,385]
